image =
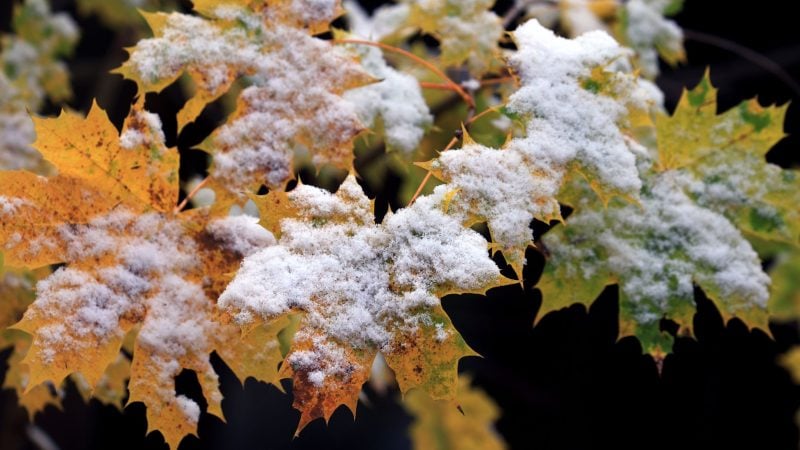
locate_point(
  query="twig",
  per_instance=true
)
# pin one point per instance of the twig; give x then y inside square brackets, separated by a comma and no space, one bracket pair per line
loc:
[455,87]
[191,194]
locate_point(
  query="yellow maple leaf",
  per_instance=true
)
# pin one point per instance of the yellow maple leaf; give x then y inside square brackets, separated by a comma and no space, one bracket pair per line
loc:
[297,82]
[132,262]
[463,424]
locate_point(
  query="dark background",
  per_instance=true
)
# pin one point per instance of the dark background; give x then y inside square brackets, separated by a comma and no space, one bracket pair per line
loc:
[566,384]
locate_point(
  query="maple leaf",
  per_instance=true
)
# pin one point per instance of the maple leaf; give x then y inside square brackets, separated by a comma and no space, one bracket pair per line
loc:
[707,192]
[466,423]
[510,187]
[791,361]
[112,387]
[297,84]
[132,265]
[362,288]
[725,154]
[655,251]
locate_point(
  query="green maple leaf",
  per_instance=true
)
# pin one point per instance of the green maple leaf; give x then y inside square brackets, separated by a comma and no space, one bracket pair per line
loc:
[707,198]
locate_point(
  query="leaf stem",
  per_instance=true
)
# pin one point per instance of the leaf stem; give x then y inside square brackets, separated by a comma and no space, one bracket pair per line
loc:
[429,85]
[479,115]
[454,86]
[191,194]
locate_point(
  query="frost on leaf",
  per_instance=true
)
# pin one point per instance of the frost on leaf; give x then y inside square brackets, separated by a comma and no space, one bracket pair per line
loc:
[131,264]
[656,251]
[725,157]
[362,288]
[297,81]
[465,424]
[577,106]
[31,73]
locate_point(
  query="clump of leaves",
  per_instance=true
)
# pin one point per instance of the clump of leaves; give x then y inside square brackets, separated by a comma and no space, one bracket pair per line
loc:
[317,289]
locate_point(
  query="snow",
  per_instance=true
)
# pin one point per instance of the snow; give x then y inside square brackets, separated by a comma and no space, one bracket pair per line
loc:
[657,250]
[397,99]
[567,125]
[125,267]
[502,188]
[648,31]
[308,11]
[178,321]
[144,129]
[10,205]
[189,408]
[240,234]
[323,354]
[83,305]
[588,131]
[386,20]
[357,282]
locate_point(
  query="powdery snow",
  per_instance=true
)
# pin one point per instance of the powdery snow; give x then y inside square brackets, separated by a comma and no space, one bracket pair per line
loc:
[241,234]
[659,249]
[568,125]
[132,137]
[396,99]
[357,282]
[568,122]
